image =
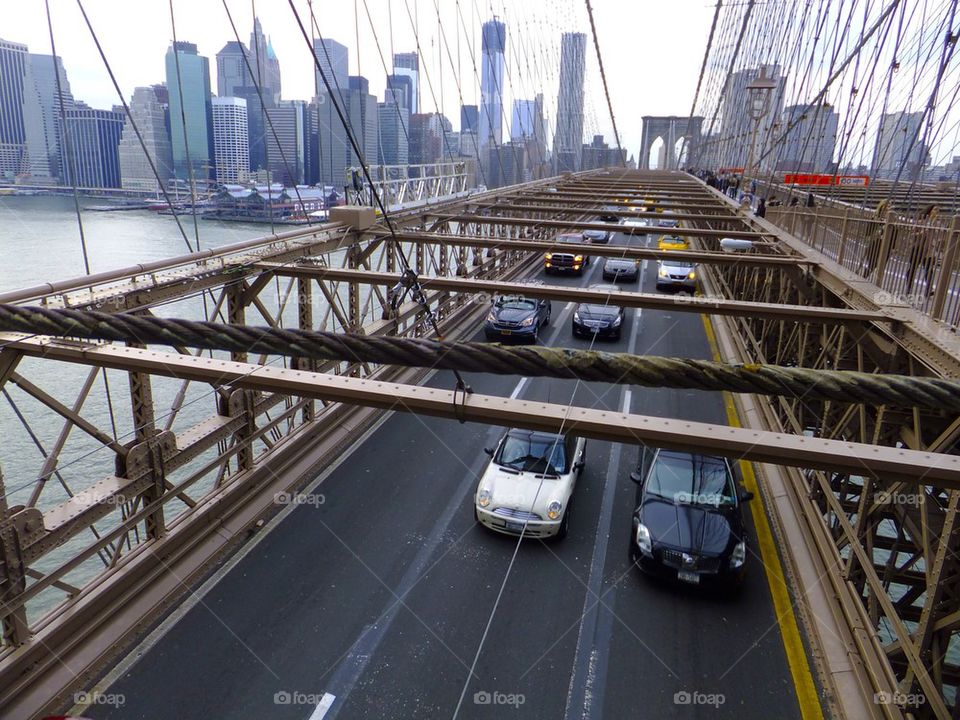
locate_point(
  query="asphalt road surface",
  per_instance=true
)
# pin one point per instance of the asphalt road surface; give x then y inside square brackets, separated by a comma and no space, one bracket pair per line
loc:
[374,603]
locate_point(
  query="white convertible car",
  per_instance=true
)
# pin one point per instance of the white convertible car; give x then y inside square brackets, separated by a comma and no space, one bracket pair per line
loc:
[528,484]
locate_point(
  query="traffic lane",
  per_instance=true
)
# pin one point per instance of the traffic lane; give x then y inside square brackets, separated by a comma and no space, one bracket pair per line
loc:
[700,653]
[525,659]
[285,614]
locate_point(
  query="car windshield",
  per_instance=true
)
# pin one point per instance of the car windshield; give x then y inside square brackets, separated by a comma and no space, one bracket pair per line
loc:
[533,453]
[691,479]
[569,238]
[677,268]
[509,303]
[673,239]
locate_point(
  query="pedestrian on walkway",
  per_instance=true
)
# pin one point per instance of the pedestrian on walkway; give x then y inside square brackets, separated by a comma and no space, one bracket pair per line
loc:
[761,208]
[923,253]
[810,201]
[875,240]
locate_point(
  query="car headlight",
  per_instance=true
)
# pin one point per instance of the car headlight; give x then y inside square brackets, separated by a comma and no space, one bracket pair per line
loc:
[662,272]
[616,321]
[692,275]
[548,256]
[739,555]
[644,541]
[554,509]
[527,322]
[484,498]
[491,316]
[576,317]
[578,258]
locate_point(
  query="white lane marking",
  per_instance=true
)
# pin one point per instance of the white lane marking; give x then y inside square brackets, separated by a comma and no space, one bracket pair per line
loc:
[323,707]
[519,388]
[627,396]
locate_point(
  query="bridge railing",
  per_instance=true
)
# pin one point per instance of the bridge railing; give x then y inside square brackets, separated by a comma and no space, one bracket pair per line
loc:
[911,260]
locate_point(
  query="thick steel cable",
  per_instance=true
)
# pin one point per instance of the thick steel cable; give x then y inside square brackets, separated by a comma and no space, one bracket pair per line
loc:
[606,90]
[532,361]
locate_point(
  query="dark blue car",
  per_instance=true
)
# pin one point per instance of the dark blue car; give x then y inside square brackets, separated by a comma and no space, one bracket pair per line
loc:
[515,317]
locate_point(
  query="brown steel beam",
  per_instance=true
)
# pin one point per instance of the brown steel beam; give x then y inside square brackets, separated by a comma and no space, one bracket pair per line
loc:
[582,225]
[652,301]
[602,250]
[565,209]
[755,445]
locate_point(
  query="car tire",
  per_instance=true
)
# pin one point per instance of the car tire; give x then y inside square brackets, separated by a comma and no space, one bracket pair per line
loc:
[546,320]
[564,524]
[548,271]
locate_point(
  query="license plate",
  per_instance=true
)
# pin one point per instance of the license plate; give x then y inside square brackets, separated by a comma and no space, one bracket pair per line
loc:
[687,576]
[515,527]
[506,332]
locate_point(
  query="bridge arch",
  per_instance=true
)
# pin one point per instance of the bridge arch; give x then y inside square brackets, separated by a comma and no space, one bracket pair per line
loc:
[673,130]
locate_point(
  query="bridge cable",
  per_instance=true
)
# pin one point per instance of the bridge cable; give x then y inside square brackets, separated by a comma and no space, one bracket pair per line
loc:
[606,91]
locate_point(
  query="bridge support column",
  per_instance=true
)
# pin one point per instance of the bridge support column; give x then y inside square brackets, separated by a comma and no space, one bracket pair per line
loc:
[13,581]
[305,322]
[145,431]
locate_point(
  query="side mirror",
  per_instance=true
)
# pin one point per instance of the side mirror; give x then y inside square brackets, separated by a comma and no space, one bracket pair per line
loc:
[636,477]
[746,496]
[488,451]
[578,465]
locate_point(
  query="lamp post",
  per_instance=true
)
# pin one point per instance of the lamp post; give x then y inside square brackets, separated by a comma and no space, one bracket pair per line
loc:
[758,104]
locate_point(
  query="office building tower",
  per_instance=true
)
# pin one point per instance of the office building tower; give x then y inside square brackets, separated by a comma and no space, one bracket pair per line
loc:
[42,117]
[393,119]
[288,153]
[265,65]
[899,149]
[408,65]
[428,132]
[811,136]
[404,86]
[738,130]
[334,62]
[191,112]
[234,79]
[231,145]
[361,112]
[469,119]
[522,122]
[232,70]
[568,140]
[13,59]
[149,108]
[491,82]
[93,139]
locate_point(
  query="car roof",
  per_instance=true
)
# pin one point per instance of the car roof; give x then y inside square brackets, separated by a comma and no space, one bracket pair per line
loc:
[686,456]
[534,434]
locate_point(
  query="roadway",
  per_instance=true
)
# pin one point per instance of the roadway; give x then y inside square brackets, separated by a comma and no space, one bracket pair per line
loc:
[372,604]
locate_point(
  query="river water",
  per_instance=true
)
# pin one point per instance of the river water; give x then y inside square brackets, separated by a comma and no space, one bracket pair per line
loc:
[40,242]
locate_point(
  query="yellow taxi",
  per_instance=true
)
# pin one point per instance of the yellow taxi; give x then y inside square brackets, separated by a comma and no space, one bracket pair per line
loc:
[673,242]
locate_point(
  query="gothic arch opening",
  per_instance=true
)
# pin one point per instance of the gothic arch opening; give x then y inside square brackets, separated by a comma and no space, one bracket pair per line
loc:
[657,159]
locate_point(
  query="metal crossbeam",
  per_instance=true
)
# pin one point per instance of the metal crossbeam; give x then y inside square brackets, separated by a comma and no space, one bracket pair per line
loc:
[680,303]
[582,225]
[760,446]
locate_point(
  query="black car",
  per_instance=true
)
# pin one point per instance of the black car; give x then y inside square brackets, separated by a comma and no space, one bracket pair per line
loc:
[515,317]
[600,237]
[687,521]
[600,319]
[609,214]
[574,260]
[626,269]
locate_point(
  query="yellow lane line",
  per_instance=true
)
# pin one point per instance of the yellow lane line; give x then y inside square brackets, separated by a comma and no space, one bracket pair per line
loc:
[807,695]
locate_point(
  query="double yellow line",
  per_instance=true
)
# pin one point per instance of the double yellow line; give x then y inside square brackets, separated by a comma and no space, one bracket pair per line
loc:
[807,695]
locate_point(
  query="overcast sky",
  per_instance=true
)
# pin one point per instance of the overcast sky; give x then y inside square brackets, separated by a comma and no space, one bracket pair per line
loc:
[652,50]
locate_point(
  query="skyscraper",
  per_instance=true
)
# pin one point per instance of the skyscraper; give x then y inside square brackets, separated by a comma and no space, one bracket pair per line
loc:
[522,124]
[232,70]
[265,65]
[149,107]
[568,141]
[288,152]
[469,119]
[361,112]
[810,140]
[13,58]
[93,137]
[393,118]
[737,127]
[408,65]
[234,80]
[44,134]
[191,112]
[899,149]
[334,62]
[404,86]
[231,144]
[491,82]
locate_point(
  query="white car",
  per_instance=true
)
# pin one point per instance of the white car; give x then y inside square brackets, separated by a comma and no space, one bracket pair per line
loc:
[528,484]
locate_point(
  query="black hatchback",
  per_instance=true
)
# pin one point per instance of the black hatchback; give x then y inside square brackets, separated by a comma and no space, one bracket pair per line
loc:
[688,520]
[603,320]
[515,317]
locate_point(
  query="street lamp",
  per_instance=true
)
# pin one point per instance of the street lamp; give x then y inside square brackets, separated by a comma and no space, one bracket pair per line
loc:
[758,104]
